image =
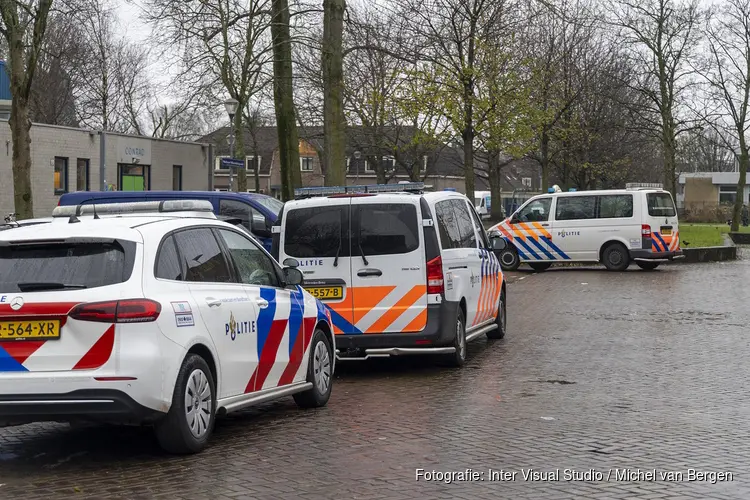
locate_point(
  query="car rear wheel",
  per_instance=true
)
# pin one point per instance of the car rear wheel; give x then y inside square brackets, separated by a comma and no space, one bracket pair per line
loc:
[501,320]
[539,266]
[319,373]
[647,266]
[458,358]
[509,259]
[190,421]
[615,257]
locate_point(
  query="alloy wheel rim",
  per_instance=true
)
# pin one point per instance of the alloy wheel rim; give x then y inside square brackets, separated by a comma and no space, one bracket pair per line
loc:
[198,403]
[321,368]
[508,258]
[461,339]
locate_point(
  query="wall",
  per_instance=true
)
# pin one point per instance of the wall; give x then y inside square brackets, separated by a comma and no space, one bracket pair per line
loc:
[700,191]
[48,141]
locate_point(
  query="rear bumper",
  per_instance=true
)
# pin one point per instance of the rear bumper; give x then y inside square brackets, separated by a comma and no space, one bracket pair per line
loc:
[436,338]
[646,254]
[100,405]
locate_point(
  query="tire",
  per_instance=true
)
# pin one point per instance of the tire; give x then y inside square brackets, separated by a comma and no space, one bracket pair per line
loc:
[458,358]
[647,266]
[616,257]
[501,320]
[539,266]
[183,430]
[319,373]
[509,259]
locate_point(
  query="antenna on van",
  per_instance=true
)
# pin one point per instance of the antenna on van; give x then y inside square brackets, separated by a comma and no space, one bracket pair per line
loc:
[93,205]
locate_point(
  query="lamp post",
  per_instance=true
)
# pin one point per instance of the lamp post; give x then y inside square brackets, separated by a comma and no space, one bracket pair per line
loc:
[357,156]
[231,106]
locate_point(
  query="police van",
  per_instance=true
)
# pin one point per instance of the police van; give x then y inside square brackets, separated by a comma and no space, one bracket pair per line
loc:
[615,227]
[402,271]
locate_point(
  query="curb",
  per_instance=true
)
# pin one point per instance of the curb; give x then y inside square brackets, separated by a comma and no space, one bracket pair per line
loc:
[740,238]
[708,254]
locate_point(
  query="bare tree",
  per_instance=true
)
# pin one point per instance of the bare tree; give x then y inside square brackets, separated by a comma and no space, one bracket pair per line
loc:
[661,36]
[334,121]
[24,24]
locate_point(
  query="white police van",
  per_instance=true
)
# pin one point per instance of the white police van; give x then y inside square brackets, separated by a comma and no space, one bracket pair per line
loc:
[615,227]
[401,270]
[152,313]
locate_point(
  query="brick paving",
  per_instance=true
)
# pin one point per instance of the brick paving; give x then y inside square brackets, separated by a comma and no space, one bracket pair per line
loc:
[602,374]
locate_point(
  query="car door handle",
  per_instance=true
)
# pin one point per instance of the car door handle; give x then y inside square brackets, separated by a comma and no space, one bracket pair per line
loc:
[262,303]
[212,302]
[458,267]
[369,272]
[544,225]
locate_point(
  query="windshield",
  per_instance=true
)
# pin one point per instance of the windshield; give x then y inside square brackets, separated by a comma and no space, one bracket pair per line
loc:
[660,205]
[270,203]
[86,265]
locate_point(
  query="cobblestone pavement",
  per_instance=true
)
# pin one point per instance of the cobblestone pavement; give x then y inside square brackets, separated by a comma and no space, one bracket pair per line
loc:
[634,371]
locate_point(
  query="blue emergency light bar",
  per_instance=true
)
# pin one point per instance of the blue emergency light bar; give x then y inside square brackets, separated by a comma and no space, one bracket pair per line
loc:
[404,187]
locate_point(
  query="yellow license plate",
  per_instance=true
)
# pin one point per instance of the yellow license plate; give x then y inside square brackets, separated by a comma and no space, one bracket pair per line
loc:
[666,232]
[34,329]
[326,292]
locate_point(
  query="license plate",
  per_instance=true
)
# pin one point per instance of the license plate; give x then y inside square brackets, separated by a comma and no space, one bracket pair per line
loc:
[33,329]
[326,292]
[666,232]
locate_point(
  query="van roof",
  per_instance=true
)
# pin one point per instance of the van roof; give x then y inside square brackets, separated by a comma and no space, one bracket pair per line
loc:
[605,191]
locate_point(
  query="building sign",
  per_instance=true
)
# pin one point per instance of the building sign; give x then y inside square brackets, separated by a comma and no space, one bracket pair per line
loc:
[133,151]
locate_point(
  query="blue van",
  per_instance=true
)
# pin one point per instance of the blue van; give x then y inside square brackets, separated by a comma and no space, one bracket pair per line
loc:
[257,211]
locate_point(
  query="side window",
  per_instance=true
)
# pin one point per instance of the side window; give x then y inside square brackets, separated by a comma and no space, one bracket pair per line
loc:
[447,225]
[168,262]
[388,228]
[203,257]
[317,232]
[536,211]
[575,208]
[465,224]
[240,210]
[615,206]
[479,228]
[254,266]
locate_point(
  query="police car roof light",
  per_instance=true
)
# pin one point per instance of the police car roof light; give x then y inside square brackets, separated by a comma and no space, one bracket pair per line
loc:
[408,187]
[167,206]
[644,185]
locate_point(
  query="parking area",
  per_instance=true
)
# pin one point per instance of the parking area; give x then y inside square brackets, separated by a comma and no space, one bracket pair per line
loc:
[603,378]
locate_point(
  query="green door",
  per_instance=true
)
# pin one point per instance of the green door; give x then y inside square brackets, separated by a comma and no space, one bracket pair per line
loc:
[132,183]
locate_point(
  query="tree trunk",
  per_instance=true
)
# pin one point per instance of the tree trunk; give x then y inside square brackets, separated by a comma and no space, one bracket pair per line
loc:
[286,120]
[20,129]
[380,171]
[334,123]
[544,153]
[493,170]
[239,152]
[744,160]
[670,162]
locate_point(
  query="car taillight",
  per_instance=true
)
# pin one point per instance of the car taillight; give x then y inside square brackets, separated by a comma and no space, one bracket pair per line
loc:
[435,276]
[645,231]
[117,311]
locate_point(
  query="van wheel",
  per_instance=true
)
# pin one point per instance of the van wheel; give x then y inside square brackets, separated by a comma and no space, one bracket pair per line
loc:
[647,266]
[615,257]
[458,358]
[190,421]
[501,321]
[319,373]
[509,259]
[539,266]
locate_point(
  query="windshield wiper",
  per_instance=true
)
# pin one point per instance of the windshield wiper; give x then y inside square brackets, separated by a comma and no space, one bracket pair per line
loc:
[41,285]
[338,250]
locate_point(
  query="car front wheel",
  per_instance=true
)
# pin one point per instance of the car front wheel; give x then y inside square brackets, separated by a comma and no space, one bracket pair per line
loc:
[319,373]
[509,259]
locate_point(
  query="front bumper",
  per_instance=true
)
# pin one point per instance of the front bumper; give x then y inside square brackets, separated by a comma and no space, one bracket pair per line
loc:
[646,254]
[436,338]
[98,405]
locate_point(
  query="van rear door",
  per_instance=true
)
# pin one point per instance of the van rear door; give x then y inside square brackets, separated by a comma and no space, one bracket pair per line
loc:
[661,215]
[318,236]
[389,279]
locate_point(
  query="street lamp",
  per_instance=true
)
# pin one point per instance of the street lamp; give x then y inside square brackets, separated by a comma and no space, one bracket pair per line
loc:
[231,106]
[357,156]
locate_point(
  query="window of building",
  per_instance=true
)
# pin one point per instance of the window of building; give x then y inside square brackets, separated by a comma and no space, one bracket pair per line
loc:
[61,175]
[388,163]
[368,167]
[176,177]
[252,163]
[615,206]
[575,208]
[526,181]
[727,194]
[82,174]
[306,164]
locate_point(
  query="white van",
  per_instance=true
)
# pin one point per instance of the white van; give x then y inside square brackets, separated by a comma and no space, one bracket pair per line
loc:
[401,271]
[614,227]
[482,203]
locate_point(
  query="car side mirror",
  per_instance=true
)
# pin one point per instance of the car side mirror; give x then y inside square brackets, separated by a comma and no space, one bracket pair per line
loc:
[259,227]
[291,262]
[497,243]
[292,276]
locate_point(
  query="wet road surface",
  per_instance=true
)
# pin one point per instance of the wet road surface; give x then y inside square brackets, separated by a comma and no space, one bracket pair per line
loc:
[603,377]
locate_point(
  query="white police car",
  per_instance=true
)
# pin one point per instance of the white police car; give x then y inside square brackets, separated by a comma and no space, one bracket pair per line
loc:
[153,313]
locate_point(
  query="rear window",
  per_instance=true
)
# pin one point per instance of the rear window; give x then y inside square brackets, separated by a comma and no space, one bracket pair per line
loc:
[388,228]
[84,265]
[660,205]
[316,232]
